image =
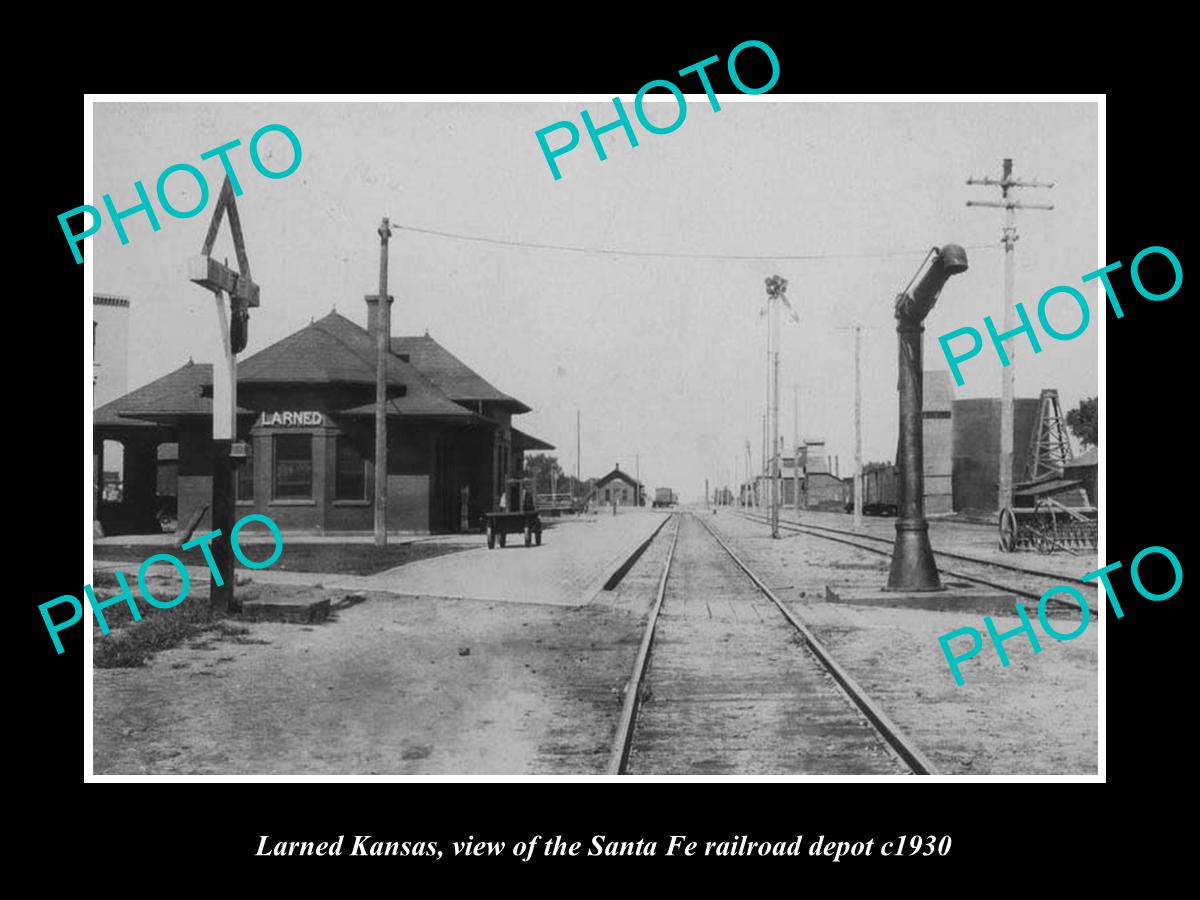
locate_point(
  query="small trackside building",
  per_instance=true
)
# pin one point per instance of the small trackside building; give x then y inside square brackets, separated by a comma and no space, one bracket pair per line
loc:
[618,486]
[306,412]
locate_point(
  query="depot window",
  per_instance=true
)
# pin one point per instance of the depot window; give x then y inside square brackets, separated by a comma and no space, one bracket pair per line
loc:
[293,467]
[245,475]
[350,481]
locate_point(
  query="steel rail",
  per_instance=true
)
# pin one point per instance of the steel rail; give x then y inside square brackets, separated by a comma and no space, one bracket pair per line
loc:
[619,755]
[806,529]
[871,537]
[905,748]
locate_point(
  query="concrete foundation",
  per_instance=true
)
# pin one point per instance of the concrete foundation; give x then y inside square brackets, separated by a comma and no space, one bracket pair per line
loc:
[286,609]
[958,598]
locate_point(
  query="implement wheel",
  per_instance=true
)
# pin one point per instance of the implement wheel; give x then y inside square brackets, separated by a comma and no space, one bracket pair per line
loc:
[491,536]
[537,534]
[1008,530]
[528,535]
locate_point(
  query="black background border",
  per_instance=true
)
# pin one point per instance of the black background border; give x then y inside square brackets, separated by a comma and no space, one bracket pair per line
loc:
[992,825]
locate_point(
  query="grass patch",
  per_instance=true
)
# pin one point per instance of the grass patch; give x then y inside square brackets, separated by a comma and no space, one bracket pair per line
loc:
[339,559]
[131,644]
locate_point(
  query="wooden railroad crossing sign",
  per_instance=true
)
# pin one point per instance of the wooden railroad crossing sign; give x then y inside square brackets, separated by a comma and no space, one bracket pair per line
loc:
[207,272]
[232,325]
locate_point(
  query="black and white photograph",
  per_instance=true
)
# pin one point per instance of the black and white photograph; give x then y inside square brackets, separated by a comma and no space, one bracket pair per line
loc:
[725,435]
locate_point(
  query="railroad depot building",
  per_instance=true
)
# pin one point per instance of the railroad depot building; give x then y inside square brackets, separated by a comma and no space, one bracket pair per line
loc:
[618,487]
[306,410]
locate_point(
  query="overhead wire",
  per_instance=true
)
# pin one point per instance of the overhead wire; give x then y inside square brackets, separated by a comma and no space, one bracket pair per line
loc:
[666,254]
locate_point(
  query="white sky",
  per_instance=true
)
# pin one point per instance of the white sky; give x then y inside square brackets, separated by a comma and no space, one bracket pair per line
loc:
[664,357]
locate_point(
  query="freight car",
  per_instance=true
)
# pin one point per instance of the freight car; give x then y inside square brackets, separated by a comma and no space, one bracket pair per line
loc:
[879,490]
[664,497]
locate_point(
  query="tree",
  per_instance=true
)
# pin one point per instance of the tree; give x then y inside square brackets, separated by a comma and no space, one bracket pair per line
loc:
[544,470]
[1084,421]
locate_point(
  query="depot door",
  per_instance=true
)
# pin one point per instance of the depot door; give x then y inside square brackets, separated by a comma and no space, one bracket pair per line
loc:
[444,497]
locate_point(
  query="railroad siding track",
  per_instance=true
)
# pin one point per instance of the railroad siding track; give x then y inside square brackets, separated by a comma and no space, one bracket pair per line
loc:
[982,567]
[728,684]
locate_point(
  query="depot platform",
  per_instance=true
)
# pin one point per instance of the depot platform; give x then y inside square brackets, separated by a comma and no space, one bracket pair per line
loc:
[577,557]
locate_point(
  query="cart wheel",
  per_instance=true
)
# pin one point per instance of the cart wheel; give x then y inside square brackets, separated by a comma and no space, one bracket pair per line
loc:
[1008,530]
[503,538]
[537,535]
[491,537]
[528,535]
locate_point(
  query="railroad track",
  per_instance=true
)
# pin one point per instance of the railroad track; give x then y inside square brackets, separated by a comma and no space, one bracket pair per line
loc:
[728,680]
[827,533]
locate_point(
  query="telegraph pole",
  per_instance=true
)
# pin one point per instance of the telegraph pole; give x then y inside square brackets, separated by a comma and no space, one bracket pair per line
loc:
[773,340]
[795,388]
[637,476]
[857,329]
[577,484]
[1009,205]
[776,297]
[748,470]
[763,417]
[857,428]
[383,331]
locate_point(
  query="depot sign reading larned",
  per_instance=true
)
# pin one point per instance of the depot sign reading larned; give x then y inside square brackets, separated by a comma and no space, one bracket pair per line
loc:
[290,418]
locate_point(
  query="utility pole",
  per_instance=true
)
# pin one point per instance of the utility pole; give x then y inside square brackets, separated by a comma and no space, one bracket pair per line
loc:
[637,476]
[795,388]
[858,486]
[383,331]
[776,297]
[577,484]
[764,443]
[1009,205]
[748,470]
[858,428]
[774,287]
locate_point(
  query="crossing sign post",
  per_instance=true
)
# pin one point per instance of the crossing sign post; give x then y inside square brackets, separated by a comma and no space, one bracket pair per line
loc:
[242,294]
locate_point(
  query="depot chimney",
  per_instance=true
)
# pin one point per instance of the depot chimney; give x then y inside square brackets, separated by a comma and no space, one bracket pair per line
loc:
[373,320]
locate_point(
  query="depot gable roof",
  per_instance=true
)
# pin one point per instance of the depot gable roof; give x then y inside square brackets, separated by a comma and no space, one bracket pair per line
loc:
[177,393]
[334,350]
[615,474]
[331,350]
[454,377]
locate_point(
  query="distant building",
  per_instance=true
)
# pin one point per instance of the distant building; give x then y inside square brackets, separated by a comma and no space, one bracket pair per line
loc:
[938,432]
[976,435]
[812,455]
[110,347]
[110,379]
[819,487]
[619,486]
[823,490]
[1084,468]
[791,469]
